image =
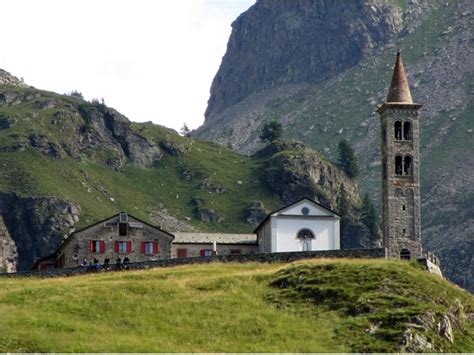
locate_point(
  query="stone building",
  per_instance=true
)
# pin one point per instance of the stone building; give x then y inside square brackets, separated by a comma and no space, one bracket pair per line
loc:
[121,236]
[400,168]
[186,245]
[304,225]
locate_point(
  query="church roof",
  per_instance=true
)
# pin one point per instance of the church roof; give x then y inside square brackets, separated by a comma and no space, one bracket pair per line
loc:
[399,90]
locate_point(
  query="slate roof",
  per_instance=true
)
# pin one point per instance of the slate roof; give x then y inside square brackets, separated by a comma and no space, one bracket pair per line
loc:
[221,238]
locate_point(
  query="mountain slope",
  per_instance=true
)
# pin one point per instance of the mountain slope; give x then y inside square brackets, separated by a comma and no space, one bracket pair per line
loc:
[67,163]
[310,306]
[436,39]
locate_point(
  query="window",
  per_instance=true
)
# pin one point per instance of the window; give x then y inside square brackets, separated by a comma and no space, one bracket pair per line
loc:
[407,131]
[403,207]
[398,165]
[206,252]
[96,246]
[305,234]
[235,252]
[407,166]
[182,253]
[398,130]
[305,211]
[150,248]
[123,247]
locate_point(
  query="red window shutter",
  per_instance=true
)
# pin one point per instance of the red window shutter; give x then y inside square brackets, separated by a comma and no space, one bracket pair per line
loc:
[155,248]
[143,247]
[117,247]
[102,247]
[203,252]
[129,247]
[91,246]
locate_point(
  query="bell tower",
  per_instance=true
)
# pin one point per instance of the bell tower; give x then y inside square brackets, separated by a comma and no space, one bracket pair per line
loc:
[401,169]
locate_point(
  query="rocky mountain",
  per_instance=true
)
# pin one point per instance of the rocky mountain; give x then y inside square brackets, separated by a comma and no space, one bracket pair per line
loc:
[66,163]
[323,67]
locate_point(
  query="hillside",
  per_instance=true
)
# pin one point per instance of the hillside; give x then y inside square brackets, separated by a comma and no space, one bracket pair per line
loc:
[311,306]
[67,163]
[333,87]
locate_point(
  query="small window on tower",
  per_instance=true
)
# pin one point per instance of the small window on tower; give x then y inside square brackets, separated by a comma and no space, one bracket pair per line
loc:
[398,130]
[403,207]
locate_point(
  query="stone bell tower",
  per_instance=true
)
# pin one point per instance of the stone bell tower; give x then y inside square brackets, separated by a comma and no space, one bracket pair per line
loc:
[401,169]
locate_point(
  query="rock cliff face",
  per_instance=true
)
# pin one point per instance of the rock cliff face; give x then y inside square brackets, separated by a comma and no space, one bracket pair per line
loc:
[285,42]
[35,226]
[8,250]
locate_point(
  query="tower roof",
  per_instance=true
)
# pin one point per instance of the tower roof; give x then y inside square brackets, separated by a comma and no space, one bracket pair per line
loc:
[399,90]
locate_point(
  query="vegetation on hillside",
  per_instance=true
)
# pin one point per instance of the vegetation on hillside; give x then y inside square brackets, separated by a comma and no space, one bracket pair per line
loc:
[309,306]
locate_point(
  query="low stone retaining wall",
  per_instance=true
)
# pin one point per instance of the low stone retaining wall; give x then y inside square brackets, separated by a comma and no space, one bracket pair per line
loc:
[260,258]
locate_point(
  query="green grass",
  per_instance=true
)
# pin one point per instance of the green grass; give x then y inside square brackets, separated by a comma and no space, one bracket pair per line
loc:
[225,308]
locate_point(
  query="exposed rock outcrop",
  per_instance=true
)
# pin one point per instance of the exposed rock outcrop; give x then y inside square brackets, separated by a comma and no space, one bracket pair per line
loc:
[37,225]
[208,215]
[8,251]
[301,41]
[255,213]
[7,79]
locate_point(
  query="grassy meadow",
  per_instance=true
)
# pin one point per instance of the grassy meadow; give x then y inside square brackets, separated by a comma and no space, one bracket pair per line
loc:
[299,307]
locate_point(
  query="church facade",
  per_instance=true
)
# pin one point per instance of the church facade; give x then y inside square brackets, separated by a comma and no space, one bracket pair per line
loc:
[304,225]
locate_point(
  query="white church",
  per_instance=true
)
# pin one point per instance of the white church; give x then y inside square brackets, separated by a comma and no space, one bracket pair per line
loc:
[304,225]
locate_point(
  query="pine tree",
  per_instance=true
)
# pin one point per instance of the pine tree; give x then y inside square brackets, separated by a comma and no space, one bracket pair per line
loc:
[347,159]
[271,131]
[185,130]
[343,209]
[369,215]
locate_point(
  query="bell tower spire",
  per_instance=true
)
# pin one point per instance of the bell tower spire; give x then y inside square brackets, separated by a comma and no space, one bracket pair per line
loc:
[400,168]
[399,89]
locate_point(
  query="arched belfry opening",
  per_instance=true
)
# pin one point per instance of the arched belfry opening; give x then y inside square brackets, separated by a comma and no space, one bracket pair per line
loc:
[407,131]
[407,166]
[398,130]
[398,165]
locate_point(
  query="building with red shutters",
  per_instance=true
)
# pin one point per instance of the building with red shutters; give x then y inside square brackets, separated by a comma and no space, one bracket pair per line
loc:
[119,236]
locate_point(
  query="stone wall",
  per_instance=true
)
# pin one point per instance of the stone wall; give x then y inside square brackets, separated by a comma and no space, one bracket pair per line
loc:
[194,249]
[377,253]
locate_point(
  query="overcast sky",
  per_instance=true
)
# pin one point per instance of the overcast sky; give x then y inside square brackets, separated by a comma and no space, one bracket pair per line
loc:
[152,60]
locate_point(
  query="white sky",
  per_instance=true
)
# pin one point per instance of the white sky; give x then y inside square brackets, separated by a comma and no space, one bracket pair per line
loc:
[152,60]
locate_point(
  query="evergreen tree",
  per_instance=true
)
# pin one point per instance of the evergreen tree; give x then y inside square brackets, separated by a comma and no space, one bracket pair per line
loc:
[343,209]
[271,131]
[369,215]
[185,130]
[347,159]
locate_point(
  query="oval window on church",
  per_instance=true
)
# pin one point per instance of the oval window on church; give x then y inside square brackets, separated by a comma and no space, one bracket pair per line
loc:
[305,234]
[305,211]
